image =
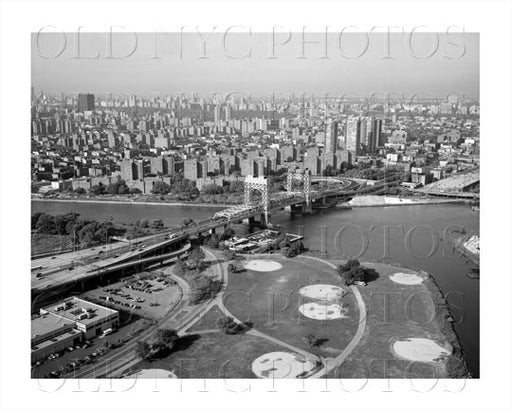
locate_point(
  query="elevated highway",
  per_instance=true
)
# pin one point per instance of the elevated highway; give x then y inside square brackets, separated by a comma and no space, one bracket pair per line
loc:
[54,272]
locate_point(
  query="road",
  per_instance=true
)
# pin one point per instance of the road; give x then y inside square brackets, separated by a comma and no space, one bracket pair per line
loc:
[115,364]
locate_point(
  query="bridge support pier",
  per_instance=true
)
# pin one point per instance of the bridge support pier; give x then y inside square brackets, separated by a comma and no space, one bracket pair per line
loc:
[303,208]
[264,219]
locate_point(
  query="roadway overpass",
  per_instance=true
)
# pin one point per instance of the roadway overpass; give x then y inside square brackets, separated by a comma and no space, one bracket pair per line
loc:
[56,272]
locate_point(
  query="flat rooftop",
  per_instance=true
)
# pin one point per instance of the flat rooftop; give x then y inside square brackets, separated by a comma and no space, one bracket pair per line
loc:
[75,307]
[48,323]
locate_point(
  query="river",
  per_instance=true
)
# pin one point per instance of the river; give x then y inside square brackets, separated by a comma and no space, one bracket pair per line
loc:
[414,239]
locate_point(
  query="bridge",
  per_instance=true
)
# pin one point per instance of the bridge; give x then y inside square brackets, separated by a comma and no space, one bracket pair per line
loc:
[50,274]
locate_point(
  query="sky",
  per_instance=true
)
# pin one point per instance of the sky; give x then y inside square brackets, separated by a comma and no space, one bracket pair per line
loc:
[434,64]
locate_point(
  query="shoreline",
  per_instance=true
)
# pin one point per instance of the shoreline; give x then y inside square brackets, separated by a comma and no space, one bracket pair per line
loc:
[373,203]
[380,201]
[459,243]
[456,365]
[126,202]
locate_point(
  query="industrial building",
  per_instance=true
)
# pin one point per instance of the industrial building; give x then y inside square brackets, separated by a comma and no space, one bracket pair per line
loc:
[68,322]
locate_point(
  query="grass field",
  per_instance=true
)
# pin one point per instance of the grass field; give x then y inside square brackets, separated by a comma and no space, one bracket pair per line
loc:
[208,321]
[270,301]
[41,243]
[395,312]
[213,355]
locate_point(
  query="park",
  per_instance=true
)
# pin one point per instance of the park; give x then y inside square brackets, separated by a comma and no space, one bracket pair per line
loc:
[307,317]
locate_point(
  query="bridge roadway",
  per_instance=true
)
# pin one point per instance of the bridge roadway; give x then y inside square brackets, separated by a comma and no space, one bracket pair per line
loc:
[53,272]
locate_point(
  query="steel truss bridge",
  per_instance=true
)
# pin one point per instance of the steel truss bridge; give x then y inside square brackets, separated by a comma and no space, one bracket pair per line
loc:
[302,195]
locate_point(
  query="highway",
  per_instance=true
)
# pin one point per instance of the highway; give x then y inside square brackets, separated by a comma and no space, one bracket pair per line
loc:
[55,271]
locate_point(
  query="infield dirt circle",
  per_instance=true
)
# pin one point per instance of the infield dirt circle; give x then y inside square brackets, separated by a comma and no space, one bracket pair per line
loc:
[281,365]
[326,293]
[262,265]
[319,311]
[419,349]
[153,374]
[406,278]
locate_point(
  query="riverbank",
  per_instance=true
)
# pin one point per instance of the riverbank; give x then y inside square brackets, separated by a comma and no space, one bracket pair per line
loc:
[431,316]
[463,244]
[456,365]
[377,200]
[125,201]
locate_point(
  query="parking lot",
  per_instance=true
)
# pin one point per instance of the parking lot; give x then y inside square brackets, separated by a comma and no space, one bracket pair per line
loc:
[140,299]
[86,353]
[147,294]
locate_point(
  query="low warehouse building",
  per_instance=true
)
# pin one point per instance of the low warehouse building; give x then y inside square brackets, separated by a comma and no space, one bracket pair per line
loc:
[68,322]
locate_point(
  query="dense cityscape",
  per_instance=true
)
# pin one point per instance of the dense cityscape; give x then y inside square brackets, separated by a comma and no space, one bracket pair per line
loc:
[182,146]
[150,289]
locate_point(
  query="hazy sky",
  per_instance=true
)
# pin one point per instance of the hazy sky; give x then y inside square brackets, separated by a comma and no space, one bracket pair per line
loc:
[424,63]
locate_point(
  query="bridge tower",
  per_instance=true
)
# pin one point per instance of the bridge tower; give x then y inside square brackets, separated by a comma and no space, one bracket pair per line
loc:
[303,178]
[259,184]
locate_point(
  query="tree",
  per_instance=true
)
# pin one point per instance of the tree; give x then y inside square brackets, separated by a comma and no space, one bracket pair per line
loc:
[227,234]
[143,350]
[180,267]
[186,222]
[213,241]
[235,267]
[229,254]
[167,337]
[311,340]
[353,272]
[351,264]
[212,189]
[35,218]
[157,224]
[203,288]
[97,189]
[161,188]
[46,224]
[143,223]
[228,325]
[80,191]
[293,250]
[196,257]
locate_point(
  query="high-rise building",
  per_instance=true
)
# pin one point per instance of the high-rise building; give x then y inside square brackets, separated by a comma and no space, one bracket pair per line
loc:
[168,166]
[227,111]
[216,114]
[261,166]
[157,165]
[191,169]
[247,167]
[312,162]
[331,136]
[376,134]
[353,135]
[128,170]
[86,102]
